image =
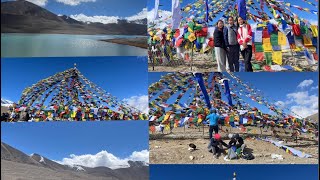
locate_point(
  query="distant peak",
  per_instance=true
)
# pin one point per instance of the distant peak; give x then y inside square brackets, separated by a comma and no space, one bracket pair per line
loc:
[5,102]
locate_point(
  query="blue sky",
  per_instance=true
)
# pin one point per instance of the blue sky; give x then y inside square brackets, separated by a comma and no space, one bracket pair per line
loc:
[121,8]
[123,77]
[225,172]
[166,5]
[277,86]
[56,140]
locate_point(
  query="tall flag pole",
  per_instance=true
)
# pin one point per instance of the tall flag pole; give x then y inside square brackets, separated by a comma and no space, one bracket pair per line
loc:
[207,11]
[176,14]
[156,7]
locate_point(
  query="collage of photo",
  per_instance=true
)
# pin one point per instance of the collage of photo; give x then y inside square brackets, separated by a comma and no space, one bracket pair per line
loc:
[159,89]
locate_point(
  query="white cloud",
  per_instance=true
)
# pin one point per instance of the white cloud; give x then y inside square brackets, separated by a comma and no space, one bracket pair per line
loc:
[163,15]
[303,111]
[305,83]
[314,22]
[139,102]
[314,88]
[109,19]
[303,104]
[96,19]
[140,156]
[74,2]
[280,104]
[106,159]
[141,15]
[39,2]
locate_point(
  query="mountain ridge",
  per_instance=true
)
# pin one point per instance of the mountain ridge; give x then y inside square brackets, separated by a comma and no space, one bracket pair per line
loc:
[26,17]
[12,158]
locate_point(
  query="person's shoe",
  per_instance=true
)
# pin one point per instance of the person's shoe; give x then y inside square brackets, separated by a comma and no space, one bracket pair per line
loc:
[216,156]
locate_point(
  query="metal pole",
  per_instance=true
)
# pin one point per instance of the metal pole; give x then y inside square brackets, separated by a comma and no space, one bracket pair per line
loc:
[192,56]
[192,47]
[153,57]
[203,129]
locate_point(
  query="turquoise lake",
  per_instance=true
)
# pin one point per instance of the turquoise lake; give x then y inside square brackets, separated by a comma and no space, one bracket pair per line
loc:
[64,45]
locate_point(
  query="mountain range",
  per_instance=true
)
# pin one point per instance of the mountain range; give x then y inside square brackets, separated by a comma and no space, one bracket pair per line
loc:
[18,165]
[5,102]
[314,118]
[25,17]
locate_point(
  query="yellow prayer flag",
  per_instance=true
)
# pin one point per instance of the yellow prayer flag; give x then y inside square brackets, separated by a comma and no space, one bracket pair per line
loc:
[167,127]
[297,69]
[168,37]
[307,41]
[156,38]
[49,114]
[277,57]
[274,13]
[266,40]
[192,37]
[267,47]
[177,106]
[282,39]
[73,114]
[166,117]
[314,30]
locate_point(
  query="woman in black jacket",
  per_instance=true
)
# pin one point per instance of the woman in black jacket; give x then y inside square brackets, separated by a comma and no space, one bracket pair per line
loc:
[220,46]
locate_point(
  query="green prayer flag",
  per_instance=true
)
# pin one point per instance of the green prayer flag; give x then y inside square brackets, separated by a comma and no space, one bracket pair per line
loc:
[259,47]
[274,39]
[268,56]
[256,67]
[160,119]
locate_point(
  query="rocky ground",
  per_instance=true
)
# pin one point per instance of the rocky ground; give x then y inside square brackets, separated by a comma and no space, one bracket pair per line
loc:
[172,147]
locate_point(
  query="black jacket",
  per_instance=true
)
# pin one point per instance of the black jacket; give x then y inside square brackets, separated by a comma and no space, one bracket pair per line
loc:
[233,142]
[216,143]
[219,39]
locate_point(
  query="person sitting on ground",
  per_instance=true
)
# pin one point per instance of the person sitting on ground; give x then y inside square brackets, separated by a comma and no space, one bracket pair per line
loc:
[236,141]
[215,145]
[4,117]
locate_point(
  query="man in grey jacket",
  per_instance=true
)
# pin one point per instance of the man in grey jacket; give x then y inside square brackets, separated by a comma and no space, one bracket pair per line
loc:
[233,47]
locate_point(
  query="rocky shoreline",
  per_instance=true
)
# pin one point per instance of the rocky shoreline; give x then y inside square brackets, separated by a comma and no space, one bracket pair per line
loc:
[140,42]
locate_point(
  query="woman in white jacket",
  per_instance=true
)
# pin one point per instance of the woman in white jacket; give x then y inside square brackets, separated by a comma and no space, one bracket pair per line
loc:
[244,37]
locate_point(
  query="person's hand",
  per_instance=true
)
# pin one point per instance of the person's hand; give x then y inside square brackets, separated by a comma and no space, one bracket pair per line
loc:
[245,45]
[228,49]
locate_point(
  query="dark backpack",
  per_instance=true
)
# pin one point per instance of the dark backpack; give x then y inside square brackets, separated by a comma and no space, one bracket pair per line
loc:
[247,156]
